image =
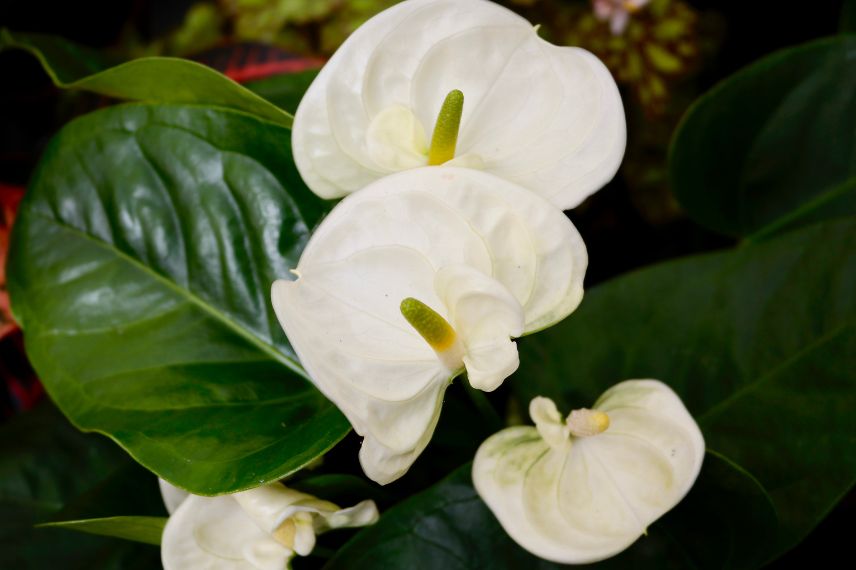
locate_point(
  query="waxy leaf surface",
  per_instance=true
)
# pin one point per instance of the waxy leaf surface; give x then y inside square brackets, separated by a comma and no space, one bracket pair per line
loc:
[141,269]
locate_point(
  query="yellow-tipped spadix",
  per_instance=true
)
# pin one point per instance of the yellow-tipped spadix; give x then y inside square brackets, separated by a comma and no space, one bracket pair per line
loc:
[436,331]
[445,137]
[585,422]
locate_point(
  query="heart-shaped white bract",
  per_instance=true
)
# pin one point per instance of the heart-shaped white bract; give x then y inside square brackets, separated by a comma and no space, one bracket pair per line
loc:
[585,489]
[485,261]
[259,529]
[549,118]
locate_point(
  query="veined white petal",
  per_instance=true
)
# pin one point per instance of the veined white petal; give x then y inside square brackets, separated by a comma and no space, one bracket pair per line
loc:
[214,533]
[549,118]
[456,215]
[487,317]
[396,139]
[594,496]
[172,496]
[258,529]
[491,258]
[270,505]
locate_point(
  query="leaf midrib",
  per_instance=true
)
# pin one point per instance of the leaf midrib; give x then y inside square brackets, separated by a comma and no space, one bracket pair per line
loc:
[796,357]
[188,295]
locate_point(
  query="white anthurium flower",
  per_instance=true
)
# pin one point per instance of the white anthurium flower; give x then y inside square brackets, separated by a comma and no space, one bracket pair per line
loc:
[418,277]
[584,489]
[546,117]
[259,529]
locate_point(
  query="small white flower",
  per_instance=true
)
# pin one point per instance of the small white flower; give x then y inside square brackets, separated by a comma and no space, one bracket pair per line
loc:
[549,118]
[259,529]
[585,489]
[414,279]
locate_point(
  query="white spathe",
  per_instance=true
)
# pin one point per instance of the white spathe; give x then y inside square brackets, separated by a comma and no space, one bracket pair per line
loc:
[172,496]
[549,118]
[493,259]
[259,529]
[576,499]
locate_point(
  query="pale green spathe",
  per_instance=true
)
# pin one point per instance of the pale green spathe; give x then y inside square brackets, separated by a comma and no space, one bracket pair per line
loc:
[580,499]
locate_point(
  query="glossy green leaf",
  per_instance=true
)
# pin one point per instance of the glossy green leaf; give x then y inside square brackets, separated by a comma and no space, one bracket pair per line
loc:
[772,147]
[140,270]
[47,469]
[285,90]
[449,526]
[147,530]
[166,79]
[757,341]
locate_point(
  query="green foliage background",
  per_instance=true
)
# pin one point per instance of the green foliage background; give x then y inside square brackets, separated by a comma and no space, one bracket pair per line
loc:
[150,234]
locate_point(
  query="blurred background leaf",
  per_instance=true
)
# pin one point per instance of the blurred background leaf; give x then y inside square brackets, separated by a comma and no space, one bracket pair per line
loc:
[284,91]
[48,469]
[147,530]
[774,146]
[162,79]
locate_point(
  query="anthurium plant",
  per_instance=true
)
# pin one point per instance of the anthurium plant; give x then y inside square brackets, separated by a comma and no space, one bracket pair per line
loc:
[335,315]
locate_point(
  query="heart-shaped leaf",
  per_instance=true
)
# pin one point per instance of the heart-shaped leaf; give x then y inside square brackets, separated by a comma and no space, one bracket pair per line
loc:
[760,344]
[772,147]
[167,79]
[140,270]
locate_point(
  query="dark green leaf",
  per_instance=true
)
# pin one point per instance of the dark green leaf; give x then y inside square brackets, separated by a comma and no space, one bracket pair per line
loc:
[704,526]
[772,147]
[166,79]
[758,342]
[147,530]
[446,527]
[344,490]
[286,90]
[795,429]
[140,270]
[847,22]
[46,468]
